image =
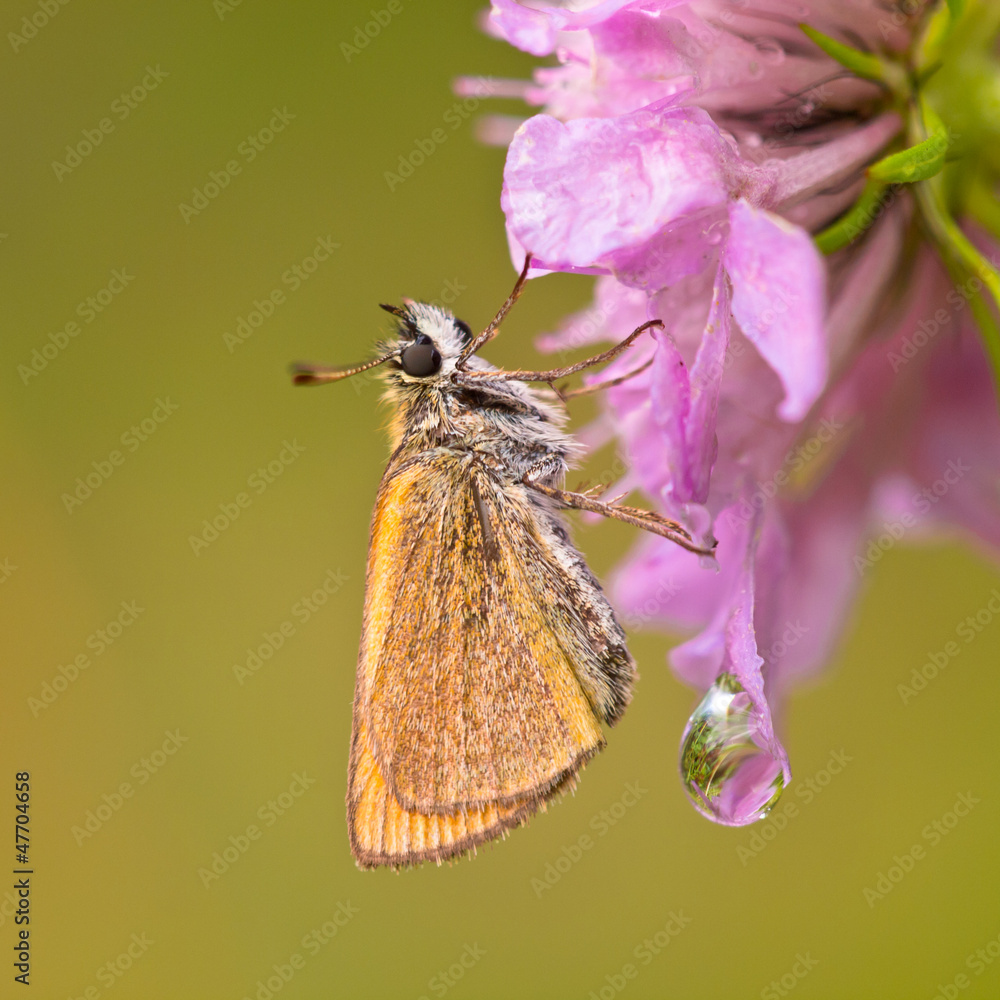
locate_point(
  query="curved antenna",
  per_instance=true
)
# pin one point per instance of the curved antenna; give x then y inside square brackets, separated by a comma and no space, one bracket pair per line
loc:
[304,374]
[396,311]
[491,331]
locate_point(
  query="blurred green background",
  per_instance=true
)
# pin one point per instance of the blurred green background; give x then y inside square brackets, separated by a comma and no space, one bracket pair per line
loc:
[200,82]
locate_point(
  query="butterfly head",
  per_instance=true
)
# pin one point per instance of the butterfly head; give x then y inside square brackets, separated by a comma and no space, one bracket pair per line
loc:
[429,343]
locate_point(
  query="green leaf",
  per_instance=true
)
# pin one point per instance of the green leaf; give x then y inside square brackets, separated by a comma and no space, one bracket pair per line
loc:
[932,123]
[856,221]
[917,163]
[863,64]
[982,314]
[931,43]
[988,327]
[957,8]
[964,260]
[982,205]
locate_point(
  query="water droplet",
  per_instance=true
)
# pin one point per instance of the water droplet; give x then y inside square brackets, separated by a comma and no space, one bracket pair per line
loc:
[729,776]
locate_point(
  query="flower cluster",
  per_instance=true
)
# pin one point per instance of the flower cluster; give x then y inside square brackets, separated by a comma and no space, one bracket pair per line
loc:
[811,210]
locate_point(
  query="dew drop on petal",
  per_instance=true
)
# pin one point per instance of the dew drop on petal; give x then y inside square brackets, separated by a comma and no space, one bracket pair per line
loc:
[728,775]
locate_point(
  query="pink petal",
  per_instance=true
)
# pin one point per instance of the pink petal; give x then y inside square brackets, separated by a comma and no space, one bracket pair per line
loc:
[615,312]
[670,393]
[685,405]
[953,455]
[744,661]
[535,30]
[664,585]
[802,176]
[806,578]
[706,379]
[586,193]
[779,296]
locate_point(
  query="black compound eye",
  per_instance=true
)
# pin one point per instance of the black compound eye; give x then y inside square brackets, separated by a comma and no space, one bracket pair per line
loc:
[421,358]
[465,328]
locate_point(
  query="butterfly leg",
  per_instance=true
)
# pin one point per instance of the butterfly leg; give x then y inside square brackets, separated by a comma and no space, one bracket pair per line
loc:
[566,394]
[645,519]
[550,376]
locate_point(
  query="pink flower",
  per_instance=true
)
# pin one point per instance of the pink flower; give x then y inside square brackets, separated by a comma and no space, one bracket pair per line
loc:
[807,409]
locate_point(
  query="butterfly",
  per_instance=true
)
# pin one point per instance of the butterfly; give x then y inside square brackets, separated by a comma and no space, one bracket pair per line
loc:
[490,658]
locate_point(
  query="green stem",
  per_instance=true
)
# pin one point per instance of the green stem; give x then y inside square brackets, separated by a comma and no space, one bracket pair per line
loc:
[855,221]
[982,205]
[861,63]
[960,255]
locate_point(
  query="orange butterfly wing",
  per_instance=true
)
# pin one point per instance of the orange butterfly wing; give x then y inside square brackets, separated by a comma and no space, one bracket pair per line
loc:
[469,708]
